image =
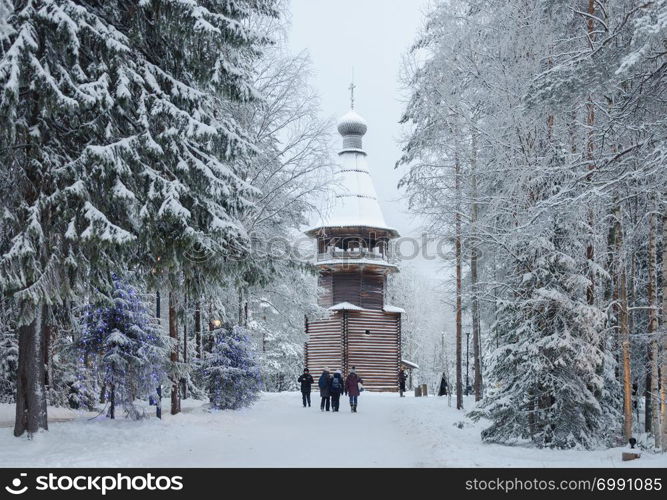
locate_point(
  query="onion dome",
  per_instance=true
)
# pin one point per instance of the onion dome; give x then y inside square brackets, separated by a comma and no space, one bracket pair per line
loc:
[352,127]
[355,202]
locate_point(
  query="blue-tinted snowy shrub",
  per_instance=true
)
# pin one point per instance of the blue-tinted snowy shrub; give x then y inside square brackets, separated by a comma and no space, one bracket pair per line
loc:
[122,341]
[231,373]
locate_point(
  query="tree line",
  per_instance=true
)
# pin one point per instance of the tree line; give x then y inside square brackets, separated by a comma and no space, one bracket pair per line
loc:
[145,147]
[536,145]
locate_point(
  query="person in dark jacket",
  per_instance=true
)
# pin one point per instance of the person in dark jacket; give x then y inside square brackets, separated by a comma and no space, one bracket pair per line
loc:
[306,380]
[444,387]
[352,388]
[324,383]
[336,388]
[401,381]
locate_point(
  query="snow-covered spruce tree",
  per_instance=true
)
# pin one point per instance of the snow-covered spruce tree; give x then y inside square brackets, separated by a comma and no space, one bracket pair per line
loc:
[57,88]
[196,190]
[5,9]
[9,358]
[546,382]
[231,372]
[115,131]
[123,343]
[71,380]
[536,139]
[272,287]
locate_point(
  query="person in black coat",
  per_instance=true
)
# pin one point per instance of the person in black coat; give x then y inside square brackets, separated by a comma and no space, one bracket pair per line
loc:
[306,380]
[336,387]
[324,383]
[401,381]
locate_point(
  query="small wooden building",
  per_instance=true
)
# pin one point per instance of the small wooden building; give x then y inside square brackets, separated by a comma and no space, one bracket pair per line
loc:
[408,367]
[362,330]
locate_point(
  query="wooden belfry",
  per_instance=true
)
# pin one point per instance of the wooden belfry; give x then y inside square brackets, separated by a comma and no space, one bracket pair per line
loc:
[352,256]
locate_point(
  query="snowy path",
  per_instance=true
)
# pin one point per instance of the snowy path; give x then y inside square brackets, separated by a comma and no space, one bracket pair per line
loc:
[277,431]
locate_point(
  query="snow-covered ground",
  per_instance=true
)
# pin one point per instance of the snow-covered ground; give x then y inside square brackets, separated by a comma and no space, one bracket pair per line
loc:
[8,413]
[277,431]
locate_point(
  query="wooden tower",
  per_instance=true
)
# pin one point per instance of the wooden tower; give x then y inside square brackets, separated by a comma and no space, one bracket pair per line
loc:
[353,258]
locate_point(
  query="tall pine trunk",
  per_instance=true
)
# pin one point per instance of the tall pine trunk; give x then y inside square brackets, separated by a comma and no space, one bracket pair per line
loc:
[457,244]
[184,381]
[623,328]
[30,390]
[31,412]
[474,307]
[173,334]
[112,401]
[652,410]
[663,364]
[48,330]
[590,149]
[158,389]
[198,328]
[243,305]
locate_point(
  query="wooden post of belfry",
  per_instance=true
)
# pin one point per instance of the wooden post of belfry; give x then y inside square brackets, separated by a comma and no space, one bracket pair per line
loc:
[418,391]
[424,390]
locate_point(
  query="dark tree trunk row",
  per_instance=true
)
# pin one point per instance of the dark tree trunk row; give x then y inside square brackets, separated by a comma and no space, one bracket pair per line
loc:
[30,389]
[173,334]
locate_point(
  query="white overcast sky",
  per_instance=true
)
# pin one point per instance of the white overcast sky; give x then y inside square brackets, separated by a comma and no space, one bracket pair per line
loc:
[371,36]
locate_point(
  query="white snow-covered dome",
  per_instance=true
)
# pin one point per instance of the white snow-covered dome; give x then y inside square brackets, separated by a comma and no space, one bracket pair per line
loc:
[355,202]
[352,127]
[351,123]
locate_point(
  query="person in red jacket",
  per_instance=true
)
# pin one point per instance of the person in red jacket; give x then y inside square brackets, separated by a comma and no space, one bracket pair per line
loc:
[353,386]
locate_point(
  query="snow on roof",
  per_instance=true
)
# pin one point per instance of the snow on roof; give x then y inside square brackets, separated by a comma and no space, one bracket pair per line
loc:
[345,306]
[409,363]
[393,309]
[351,123]
[347,262]
[355,200]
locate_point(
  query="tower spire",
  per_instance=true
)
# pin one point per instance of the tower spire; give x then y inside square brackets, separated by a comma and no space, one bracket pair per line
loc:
[352,87]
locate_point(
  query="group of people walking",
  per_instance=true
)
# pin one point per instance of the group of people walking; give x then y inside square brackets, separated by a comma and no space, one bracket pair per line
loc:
[331,386]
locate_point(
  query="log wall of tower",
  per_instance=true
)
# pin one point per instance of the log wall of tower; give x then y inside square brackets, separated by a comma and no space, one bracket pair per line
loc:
[342,341]
[360,287]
